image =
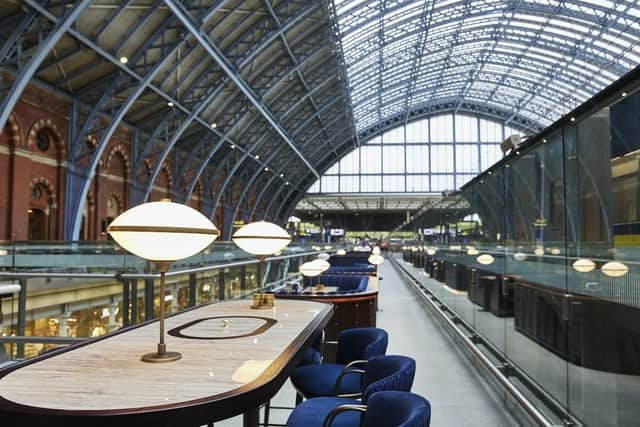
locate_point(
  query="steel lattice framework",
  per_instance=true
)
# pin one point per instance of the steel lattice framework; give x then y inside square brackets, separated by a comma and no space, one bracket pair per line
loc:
[523,62]
[293,85]
[532,60]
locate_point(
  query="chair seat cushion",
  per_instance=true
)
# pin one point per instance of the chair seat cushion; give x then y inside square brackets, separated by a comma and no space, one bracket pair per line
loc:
[320,380]
[312,413]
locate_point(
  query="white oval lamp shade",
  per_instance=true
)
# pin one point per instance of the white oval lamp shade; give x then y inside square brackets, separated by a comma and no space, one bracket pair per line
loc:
[314,268]
[261,238]
[325,256]
[485,259]
[472,251]
[519,256]
[376,250]
[555,251]
[162,231]
[341,252]
[316,248]
[431,251]
[328,247]
[310,269]
[375,259]
[583,265]
[614,269]
[539,251]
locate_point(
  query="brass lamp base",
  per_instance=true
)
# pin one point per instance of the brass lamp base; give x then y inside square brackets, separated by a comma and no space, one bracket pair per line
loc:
[170,356]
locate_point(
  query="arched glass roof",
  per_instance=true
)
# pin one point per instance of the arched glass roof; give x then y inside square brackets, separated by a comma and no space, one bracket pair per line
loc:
[526,61]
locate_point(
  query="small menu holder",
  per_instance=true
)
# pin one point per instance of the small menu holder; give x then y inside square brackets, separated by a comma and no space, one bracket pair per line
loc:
[263,301]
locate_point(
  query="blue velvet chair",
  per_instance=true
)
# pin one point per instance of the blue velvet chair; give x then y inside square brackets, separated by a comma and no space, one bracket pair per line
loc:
[389,409]
[355,347]
[313,355]
[382,373]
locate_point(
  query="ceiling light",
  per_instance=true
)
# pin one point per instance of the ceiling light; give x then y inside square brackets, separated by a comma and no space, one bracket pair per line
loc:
[257,156]
[573,119]
[624,94]
[124,59]
[232,146]
[281,175]
[213,125]
[170,104]
[266,169]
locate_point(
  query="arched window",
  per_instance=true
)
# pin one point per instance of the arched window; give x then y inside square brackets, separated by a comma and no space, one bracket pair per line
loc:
[428,155]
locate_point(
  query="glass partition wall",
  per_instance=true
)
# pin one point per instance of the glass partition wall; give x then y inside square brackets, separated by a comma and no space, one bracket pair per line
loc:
[72,291]
[549,274]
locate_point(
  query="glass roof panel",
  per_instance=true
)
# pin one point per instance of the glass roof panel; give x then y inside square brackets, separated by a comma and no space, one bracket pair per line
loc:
[531,60]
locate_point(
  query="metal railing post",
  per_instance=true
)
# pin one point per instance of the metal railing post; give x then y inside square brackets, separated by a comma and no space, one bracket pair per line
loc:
[126,293]
[221,285]
[148,299]
[22,316]
[192,289]
[134,302]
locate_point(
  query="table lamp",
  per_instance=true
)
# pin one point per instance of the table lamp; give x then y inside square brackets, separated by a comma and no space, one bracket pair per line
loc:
[314,268]
[261,238]
[162,232]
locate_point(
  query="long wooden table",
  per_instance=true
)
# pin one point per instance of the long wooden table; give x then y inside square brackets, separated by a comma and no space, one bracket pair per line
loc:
[233,359]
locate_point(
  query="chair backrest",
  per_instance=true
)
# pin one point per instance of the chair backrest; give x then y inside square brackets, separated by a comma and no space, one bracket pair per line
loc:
[388,373]
[361,344]
[397,409]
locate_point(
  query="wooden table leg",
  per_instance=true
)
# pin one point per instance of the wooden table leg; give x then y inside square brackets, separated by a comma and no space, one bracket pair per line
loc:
[251,418]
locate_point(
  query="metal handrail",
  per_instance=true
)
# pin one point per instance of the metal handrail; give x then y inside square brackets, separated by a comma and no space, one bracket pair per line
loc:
[117,276]
[531,410]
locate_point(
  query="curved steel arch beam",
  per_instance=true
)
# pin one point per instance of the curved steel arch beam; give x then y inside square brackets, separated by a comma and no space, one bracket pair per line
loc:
[24,76]
[79,185]
[253,52]
[284,78]
[202,104]
[251,181]
[426,90]
[295,187]
[444,106]
[279,82]
[223,63]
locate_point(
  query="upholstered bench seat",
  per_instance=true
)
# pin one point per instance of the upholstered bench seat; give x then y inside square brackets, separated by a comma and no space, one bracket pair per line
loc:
[344,282]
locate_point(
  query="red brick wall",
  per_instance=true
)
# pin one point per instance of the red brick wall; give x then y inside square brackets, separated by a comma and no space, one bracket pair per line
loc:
[25,167]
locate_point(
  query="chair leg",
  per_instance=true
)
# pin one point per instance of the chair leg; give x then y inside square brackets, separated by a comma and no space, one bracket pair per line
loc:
[267,407]
[298,399]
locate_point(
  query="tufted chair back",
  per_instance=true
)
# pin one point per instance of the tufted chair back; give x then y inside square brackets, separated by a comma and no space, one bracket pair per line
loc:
[397,409]
[361,344]
[388,373]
